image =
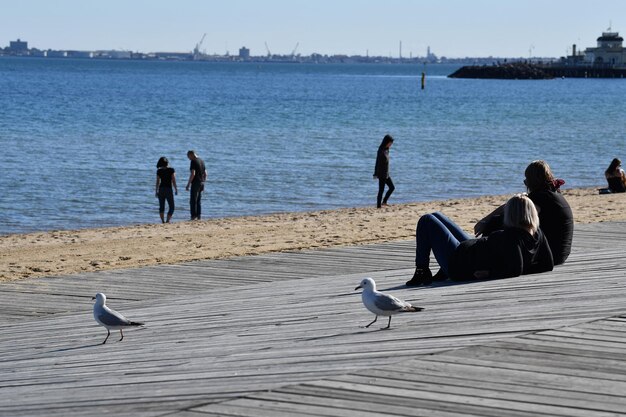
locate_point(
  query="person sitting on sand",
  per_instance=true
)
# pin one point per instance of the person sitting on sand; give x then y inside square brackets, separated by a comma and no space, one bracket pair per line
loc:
[555,214]
[520,248]
[165,180]
[381,171]
[616,177]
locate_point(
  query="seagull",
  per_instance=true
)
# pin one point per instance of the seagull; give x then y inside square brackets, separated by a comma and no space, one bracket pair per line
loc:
[109,318]
[382,304]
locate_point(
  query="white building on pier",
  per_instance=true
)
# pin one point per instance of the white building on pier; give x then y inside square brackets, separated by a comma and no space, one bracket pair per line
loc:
[609,51]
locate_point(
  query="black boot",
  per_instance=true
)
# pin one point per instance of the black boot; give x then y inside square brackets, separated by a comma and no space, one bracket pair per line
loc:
[422,276]
[440,275]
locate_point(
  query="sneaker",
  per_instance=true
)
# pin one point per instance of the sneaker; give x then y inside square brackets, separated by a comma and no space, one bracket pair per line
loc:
[422,276]
[440,276]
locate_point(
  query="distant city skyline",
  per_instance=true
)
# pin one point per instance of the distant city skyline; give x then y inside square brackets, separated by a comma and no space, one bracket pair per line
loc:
[455,28]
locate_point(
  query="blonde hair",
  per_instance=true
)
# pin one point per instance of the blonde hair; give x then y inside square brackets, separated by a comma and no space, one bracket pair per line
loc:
[539,176]
[521,212]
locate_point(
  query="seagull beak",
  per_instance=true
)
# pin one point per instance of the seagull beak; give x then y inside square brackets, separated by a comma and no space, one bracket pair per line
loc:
[93,298]
[357,288]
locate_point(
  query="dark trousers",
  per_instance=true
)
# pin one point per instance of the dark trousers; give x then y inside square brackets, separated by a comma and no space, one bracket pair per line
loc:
[381,188]
[437,233]
[166,194]
[195,200]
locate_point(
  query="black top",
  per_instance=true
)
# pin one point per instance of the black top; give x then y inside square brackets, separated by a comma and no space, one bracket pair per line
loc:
[165,174]
[556,221]
[382,163]
[505,253]
[616,185]
[197,165]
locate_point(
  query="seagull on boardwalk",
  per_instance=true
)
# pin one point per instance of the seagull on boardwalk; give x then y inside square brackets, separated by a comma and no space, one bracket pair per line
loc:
[109,318]
[382,304]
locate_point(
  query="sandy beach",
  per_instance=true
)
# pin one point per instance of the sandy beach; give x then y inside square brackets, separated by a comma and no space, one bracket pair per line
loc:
[71,252]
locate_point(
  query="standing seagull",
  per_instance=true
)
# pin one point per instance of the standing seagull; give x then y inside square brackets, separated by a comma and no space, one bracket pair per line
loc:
[110,319]
[382,304]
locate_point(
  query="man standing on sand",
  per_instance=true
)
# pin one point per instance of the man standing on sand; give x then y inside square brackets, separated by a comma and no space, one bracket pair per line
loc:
[197,177]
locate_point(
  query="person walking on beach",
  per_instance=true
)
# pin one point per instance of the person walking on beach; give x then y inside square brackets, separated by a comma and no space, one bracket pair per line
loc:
[520,248]
[197,177]
[165,180]
[381,171]
[615,176]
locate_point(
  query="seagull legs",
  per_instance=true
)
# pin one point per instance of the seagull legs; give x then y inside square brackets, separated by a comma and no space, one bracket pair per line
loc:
[106,338]
[383,328]
[388,324]
[372,322]
[109,334]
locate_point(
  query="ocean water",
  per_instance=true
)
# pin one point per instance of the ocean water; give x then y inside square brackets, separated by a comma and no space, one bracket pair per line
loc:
[80,138]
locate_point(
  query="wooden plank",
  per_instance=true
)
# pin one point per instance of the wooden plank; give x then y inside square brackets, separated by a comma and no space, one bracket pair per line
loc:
[487,385]
[282,333]
[372,400]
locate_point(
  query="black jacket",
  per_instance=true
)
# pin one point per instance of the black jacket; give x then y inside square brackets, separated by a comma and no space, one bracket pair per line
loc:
[556,221]
[505,253]
[381,170]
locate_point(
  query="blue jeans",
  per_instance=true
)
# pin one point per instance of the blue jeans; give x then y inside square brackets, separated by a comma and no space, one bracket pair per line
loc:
[166,194]
[381,189]
[195,200]
[437,233]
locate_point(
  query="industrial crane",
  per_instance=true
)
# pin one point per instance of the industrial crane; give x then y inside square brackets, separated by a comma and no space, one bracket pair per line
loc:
[293,53]
[196,50]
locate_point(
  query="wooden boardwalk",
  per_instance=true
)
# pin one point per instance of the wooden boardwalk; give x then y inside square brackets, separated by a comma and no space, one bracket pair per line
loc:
[280,335]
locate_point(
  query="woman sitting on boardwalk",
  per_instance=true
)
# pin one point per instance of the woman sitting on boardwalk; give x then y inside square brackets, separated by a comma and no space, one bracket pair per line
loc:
[520,248]
[555,214]
[616,177]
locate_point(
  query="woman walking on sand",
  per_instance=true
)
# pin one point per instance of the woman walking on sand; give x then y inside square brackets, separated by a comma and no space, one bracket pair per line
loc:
[165,180]
[381,171]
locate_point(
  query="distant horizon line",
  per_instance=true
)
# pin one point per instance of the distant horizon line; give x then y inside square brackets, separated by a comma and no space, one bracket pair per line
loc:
[429,54]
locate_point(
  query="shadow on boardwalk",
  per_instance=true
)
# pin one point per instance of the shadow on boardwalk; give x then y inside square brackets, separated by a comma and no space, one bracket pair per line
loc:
[280,335]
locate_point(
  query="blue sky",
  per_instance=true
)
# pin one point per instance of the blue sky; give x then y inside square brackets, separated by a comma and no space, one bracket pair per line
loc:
[453,28]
